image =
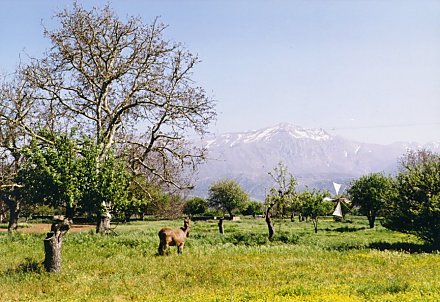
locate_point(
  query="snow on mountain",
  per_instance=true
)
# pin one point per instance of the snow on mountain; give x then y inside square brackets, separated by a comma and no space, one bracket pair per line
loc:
[314,156]
[268,134]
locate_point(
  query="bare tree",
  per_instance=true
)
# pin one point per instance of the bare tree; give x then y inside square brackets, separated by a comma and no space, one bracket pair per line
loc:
[110,77]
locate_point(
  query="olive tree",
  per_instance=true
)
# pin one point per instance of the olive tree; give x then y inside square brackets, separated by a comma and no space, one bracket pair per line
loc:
[109,77]
[63,175]
[416,207]
[282,193]
[314,205]
[370,194]
[228,196]
[195,205]
[51,173]
[141,199]
[105,191]
[253,208]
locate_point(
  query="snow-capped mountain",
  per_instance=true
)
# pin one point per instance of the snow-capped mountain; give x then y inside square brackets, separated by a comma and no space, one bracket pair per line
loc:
[313,156]
[283,130]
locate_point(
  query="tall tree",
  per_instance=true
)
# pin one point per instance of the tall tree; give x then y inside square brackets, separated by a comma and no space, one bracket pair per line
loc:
[370,194]
[228,196]
[416,206]
[110,77]
[282,193]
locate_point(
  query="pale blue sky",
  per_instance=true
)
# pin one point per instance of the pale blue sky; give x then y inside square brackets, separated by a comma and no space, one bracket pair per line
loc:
[367,70]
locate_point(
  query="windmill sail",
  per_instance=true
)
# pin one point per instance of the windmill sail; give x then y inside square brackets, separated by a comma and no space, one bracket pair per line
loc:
[338,210]
[337,187]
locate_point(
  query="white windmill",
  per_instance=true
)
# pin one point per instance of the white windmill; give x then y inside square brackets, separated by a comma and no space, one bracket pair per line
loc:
[339,201]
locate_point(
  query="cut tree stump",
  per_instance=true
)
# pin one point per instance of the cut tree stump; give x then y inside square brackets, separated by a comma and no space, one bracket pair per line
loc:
[52,245]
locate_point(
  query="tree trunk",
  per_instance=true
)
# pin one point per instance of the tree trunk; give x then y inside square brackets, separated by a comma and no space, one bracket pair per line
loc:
[269,223]
[220,226]
[14,213]
[103,225]
[315,224]
[70,211]
[52,246]
[127,217]
[371,220]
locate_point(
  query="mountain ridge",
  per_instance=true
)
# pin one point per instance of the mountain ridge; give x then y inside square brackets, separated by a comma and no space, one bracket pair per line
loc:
[314,156]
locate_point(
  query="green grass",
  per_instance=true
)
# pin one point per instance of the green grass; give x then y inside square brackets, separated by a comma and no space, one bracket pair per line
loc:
[342,262]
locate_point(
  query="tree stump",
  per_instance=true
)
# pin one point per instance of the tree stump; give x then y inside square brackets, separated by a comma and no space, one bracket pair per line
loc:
[52,245]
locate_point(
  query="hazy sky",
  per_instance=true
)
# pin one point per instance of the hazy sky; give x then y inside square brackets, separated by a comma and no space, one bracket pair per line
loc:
[368,70]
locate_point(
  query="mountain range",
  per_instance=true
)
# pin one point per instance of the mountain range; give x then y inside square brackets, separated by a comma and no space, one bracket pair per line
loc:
[315,157]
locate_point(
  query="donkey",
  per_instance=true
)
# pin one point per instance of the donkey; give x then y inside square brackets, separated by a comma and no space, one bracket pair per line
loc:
[173,237]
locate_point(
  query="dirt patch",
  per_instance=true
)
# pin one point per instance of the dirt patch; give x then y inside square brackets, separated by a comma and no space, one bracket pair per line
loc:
[42,228]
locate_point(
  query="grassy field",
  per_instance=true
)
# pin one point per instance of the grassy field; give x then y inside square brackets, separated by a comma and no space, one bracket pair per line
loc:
[343,262]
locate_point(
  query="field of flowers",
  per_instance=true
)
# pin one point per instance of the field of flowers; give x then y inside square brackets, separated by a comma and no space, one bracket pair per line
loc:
[342,262]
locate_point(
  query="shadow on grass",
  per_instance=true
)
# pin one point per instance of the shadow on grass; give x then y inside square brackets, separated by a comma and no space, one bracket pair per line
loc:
[403,246]
[28,266]
[343,247]
[345,229]
[261,239]
[244,239]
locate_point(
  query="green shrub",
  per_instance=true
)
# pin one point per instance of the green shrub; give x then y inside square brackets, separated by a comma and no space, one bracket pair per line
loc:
[416,207]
